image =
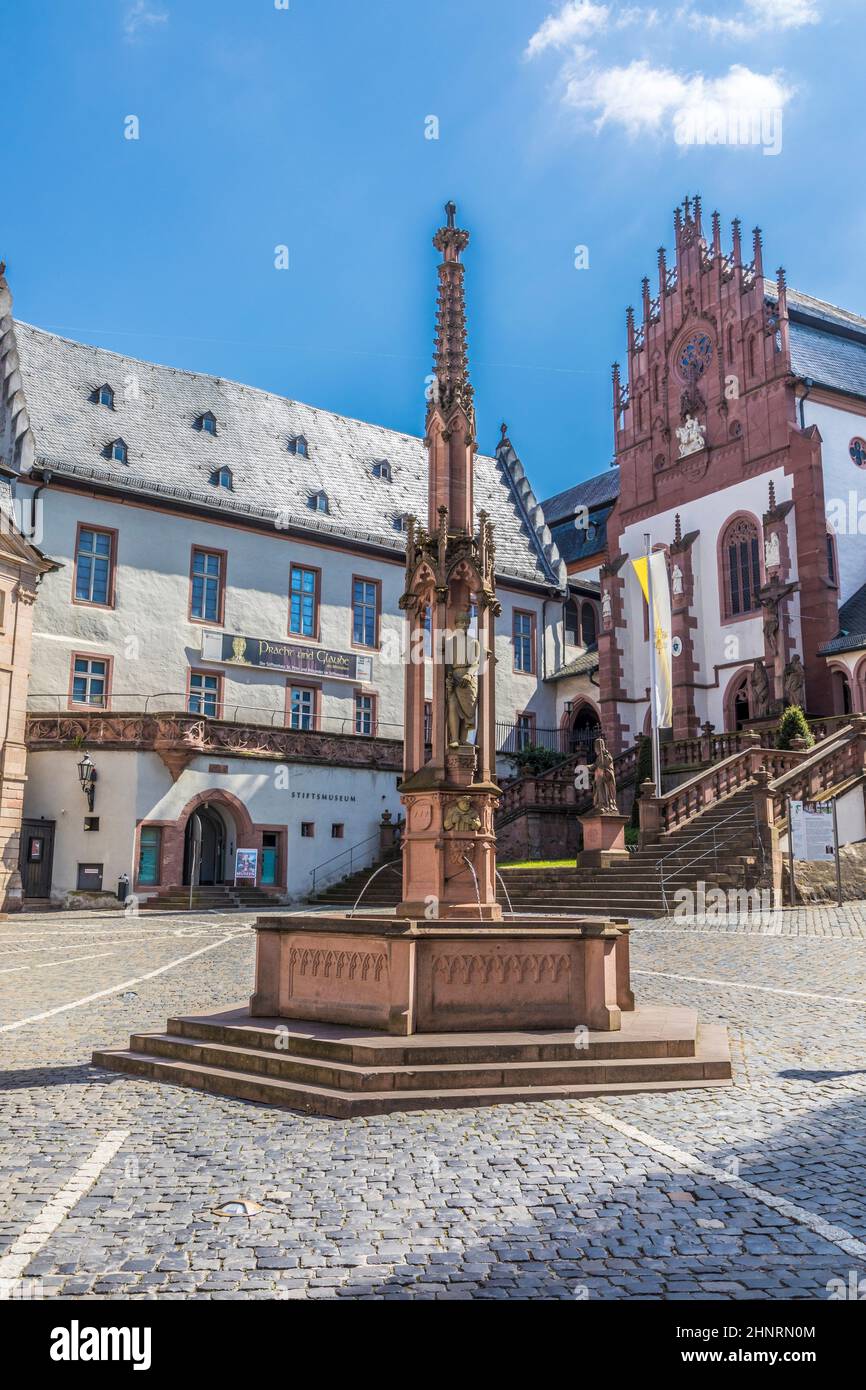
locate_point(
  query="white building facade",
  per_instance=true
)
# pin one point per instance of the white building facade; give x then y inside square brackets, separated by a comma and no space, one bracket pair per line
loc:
[221,635]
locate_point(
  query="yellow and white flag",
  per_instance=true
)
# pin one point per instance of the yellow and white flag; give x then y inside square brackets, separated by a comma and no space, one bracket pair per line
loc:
[662,635]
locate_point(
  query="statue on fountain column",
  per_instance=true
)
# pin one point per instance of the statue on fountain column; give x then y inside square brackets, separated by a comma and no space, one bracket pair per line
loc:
[461,684]
[604,781]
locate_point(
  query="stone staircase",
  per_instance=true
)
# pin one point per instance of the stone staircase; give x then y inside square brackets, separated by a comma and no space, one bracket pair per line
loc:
[386,889]
[218,898]
[326,1069]
[630,889]
[707,829]
[718,847]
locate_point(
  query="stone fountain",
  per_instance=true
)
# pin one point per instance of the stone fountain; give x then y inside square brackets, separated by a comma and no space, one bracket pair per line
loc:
[442,1003]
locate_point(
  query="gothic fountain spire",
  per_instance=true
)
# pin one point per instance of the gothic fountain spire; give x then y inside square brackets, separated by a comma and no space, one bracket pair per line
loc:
[450,425]
[448,789]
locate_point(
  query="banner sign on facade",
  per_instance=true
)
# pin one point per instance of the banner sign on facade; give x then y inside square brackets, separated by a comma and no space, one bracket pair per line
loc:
[246,865]
[661,592]
[290,658]
[811,829]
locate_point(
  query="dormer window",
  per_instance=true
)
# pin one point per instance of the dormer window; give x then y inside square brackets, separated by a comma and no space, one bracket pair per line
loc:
[298,445]
[400,523]
[117,451]
[222,477]
[205,423]
[103,395]
[382,469]
[319,501]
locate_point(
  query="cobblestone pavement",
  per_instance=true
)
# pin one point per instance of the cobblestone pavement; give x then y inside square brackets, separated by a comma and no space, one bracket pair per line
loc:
[107,1183]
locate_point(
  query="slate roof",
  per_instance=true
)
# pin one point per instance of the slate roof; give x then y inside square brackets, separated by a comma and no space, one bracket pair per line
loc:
[582,665]
[168,457]
[852,626]
[828,344]
[585,542]
[592,492]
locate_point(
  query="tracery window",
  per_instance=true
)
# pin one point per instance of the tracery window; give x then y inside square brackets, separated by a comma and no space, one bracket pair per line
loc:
[742,567]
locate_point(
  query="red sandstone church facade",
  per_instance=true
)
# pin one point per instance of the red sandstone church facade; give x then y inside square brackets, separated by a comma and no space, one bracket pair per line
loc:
[737,436]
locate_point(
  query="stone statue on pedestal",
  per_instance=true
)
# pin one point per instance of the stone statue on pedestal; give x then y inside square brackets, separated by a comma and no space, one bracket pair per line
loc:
[604,781]
[795,682]
[759,690]
[461,685]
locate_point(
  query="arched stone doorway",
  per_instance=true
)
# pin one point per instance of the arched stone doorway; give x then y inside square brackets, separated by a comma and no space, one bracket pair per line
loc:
[583,728]
[225,824]
[737,712]
[206,847]
[843,702]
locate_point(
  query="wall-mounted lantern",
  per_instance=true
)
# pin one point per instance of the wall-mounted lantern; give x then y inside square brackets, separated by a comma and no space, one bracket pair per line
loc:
[87,778]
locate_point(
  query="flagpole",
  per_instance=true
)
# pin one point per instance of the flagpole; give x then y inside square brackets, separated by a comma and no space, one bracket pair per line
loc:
[657,769]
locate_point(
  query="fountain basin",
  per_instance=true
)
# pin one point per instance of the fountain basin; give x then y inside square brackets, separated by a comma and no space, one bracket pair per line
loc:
[424,976]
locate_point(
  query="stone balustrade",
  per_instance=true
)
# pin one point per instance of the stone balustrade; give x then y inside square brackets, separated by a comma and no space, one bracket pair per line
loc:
[835,760]
[178,738]
[555,789]
[662,814]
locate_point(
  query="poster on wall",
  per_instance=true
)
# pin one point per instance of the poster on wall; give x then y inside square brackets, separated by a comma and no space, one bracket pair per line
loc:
[246,865]
[812,835]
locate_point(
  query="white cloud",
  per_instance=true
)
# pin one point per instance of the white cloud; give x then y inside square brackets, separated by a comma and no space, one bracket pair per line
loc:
[575,21]
[644,99]
[139,16]
[758,17]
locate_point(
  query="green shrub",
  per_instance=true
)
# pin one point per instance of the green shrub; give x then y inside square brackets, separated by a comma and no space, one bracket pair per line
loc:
[533,759]
[793,724]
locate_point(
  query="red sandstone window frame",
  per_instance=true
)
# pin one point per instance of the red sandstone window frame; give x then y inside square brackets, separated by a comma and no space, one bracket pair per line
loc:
[726,612]
[109,675]
[281,873]
[161,826]
[317,704]
[220,680]
[377,617]
[533,640]
[223,556]
[374,712]
[112,534]
[315,635]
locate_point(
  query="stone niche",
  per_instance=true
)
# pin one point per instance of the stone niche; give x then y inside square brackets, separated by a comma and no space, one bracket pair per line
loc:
[407,977]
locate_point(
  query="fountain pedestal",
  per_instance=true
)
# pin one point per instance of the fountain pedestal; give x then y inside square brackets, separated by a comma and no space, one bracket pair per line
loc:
[406,977]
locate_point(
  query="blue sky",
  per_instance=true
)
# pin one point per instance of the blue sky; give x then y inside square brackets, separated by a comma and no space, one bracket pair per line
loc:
[558,126]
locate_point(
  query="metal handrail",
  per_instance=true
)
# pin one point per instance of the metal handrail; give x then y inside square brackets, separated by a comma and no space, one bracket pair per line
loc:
[693,840]
[351,850]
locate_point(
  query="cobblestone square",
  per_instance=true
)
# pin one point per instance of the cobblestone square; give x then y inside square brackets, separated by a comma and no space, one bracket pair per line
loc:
[108,1184]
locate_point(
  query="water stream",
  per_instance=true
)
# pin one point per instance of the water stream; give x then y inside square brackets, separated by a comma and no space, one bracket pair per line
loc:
[468,861]
[505,891]
[373,875]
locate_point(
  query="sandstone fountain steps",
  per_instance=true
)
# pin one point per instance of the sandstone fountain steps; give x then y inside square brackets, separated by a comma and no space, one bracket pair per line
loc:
[340,1072]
